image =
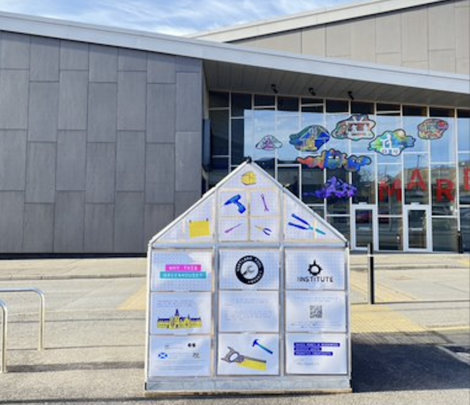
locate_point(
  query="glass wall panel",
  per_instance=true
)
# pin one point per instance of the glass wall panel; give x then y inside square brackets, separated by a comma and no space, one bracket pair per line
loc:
[318,209]
[443,189]
[463,123]
[390,189]
[464,178]
[443,148]
[412,117]
[240,127]
[342,225]
[289,178]
[287,104]
[285,127]
[241,104]
[465,227]
[365,182]
[312,181]
[219,169]
[390,233]
[416,175]
[218,99]
[264,101]
[338,205]
[387,123]
[444,234]
[264,125]
[331,121]
[219,132]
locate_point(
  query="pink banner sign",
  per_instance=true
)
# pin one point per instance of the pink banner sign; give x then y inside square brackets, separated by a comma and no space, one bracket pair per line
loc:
[183,267]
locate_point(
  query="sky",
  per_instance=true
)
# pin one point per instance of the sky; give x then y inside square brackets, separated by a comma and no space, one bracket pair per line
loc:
[174,17]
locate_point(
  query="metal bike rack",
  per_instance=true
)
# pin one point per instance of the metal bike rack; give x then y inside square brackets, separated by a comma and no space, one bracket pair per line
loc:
[42,310]
[3,306]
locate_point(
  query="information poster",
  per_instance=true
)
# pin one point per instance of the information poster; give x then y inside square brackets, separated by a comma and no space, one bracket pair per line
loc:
[180,356]
[180,313]
[249,311]
[316,353]
[316,311]
[314,269]
[244,269]
[182,271]
[248,354]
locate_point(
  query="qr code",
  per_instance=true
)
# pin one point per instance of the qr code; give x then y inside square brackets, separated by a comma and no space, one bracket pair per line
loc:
[316,312]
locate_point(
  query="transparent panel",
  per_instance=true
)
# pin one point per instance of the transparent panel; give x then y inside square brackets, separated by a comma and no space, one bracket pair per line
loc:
[441,133]
[443,186]
[417,229]
[465,227]
[289,178]
[318,209]
[364,227]
[218,99]
[240,129]
[219,132]
[264,125]
[219,169]
[241,105]
[285,127]
[464,177]
[362,108]
[338,205]
[390,189]
[335,106]
[312,181]
[342,225]
[412,117]
[386,123]
[463,123]
[390,233]
[364,181]
[287,104]
[444,234]
[416,175]
[264,101]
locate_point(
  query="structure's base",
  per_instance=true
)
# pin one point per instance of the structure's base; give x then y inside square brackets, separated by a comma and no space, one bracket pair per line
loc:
[195,386]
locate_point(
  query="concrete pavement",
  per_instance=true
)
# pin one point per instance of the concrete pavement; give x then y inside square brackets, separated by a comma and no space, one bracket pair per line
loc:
[412,344]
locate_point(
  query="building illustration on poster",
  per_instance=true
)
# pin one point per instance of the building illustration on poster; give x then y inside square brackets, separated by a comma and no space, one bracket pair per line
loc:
[248,282]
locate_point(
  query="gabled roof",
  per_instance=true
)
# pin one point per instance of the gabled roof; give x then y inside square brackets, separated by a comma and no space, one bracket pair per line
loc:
[231,67]
[309,19]
[248,206]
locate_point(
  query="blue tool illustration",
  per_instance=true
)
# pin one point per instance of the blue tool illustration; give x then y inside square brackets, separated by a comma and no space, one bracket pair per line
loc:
[304,225]
[266,208]
[266,231]
[236,200]
[256,343]
[232,228]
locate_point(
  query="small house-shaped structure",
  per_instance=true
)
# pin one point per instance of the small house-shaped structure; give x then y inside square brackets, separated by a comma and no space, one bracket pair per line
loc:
[263,286]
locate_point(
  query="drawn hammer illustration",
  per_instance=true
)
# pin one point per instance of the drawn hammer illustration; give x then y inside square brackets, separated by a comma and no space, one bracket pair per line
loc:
[236,200]
[256,343]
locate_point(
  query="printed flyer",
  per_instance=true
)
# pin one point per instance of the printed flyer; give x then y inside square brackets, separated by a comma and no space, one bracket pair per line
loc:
[181,356]
[316,353]
[316,311]
[183,313]
[248,354]
[248,269]
[182,271]
[249,311]
[315,269]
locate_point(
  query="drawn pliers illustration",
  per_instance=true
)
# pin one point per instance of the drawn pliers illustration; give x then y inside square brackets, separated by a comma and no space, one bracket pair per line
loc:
[266,231]
[304,225]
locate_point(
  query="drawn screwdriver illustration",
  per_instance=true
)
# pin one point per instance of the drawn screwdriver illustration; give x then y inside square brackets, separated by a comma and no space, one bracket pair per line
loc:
[306,226]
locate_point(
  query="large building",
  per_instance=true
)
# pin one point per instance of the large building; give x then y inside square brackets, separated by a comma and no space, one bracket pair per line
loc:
[106,134]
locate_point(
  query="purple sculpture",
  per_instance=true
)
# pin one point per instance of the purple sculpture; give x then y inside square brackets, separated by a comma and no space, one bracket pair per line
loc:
[336,188]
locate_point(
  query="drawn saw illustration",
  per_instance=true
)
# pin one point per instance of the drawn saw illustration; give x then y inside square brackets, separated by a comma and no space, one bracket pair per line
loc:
[244,361]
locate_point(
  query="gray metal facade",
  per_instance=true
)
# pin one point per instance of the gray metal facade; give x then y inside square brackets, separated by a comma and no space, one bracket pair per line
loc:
[99,146]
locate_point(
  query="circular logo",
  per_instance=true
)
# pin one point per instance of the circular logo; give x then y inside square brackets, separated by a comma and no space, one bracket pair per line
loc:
[249,270]
[314,269]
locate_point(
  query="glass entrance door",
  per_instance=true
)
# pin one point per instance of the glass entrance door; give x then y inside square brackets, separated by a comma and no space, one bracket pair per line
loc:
[364,224]
[417,229]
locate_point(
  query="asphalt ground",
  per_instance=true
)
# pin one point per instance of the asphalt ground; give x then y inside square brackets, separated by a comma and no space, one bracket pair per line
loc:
[412,347]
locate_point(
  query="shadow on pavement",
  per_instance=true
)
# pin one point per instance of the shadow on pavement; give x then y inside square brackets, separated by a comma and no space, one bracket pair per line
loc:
[405,367]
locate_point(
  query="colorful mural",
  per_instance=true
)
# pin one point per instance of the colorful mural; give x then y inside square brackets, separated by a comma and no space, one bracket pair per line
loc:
[392,143]
[310,139]
[356,127]
[336,188]
[432,128]
[269,143]
[333,159]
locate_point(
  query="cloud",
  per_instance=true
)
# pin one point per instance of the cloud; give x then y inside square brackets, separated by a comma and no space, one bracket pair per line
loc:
[177,17]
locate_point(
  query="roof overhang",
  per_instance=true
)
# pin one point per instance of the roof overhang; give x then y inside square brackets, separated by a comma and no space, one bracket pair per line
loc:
[231,67]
